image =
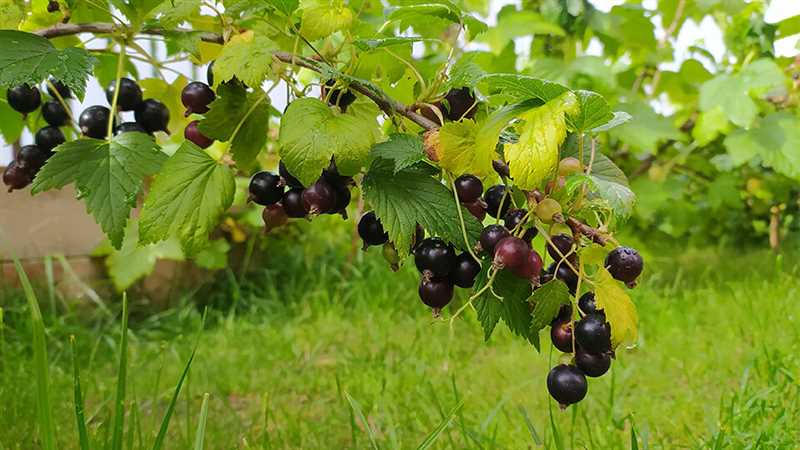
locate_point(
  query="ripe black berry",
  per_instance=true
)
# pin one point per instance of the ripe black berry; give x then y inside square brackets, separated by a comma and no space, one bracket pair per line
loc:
[371,230]
[126,127]
[490,236]
[94,121]
[319,198]
[501,168]
[625,264]
[24,98]
[52,6]
[210,74]
[565,274]
[567,384]
[266,188]
[274,216]
[192,133]
[343,197]
[54,113]
[560,247]
[513,218]
[129,97]
[561,335]
[31,158]
[152,115]
[48,138]
[338,97]
[511,252]
[15,177]
[293,203]
[469,188]
[465,270]
[331,175]
[531,268]
[477,209]
[61,88]
[564,313]
[587,305]
[493,197]
[436,292]
[459,103]
[593,334]
[288,178]
[196,97]
[593,365]
[434,257]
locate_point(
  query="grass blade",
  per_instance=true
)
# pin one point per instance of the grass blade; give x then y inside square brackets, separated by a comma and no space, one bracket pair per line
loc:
[201,425]
[532,429]
[357,410]
[43,402]
[122,377]
[80,408]
[434,435]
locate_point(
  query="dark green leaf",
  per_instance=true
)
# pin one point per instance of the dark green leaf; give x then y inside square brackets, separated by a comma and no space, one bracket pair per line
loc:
[404,149]
[547,300]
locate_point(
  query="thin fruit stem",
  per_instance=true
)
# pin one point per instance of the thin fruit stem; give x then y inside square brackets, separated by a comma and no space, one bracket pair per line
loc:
[488,285]
[563,257]
[120,66]
[62,101]
[461,220]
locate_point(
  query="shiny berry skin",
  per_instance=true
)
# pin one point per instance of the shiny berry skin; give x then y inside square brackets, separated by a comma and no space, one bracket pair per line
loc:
[465,270]
[210,74]
[129,97]
[319,198]
[337,97]
[548,210]
[625,264]
[567,384]
[511,252]
[48,138]
[61,88]
[490,236]
[587,305]
[560,246]
[54,113]
[561,335]
[265,188]
[593,334]
[477,209]
[593,365]
[531,269]
[565,274]
[501,168]
[52,6]
[274,216]
[436,292]
[343,197]
[23,98]
[31,158]
[288,178]
[459,103]
[493,197]
[371,230]
[435,257]
[196,97]
[469,188]
[126,127]
[564,313]
[513,218]
[93,121]
[293,203]
[152,115]
[192,133]
[15,177]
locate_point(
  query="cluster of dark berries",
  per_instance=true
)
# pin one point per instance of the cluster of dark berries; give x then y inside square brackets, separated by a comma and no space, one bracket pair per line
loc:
[196,97]
[285,197]
[457,104]
[150,114]
[337,96]
[442,269]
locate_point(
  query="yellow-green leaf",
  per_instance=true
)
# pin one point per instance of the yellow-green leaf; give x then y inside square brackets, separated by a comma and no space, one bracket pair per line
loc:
[246,56]
[534,159]
[620,311]
[323,20]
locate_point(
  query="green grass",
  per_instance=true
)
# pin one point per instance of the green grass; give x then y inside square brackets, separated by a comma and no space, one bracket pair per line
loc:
[323,355]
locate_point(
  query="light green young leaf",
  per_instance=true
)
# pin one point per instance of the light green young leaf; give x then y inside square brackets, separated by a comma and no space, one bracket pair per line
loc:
[323,20]
[186,199]
[519,88]
[775,139]
[172,13]
[132,261]
[107,175]
[214,256]
[607,181]
[594,112]
[620,311]
[534,158]
[646,129]
[246,56]
[709,125]
[312,133]
[404,149]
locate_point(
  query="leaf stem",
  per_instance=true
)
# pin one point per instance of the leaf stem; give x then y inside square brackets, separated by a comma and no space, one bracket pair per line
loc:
[118,76]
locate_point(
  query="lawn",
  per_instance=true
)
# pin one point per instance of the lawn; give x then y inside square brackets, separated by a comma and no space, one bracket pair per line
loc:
[315,348]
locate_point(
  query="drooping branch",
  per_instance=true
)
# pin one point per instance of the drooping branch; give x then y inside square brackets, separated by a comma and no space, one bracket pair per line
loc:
[68,29]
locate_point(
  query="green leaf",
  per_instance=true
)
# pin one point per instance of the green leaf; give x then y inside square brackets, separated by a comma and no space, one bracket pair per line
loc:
[246,56]
[775,139]
[607,181]
[620,311]
[186,199]
[323,20]
[594,111]
[547,300]
[404,149]
[402,200]
[312,132]
[11,14]
[107,175]
[512,24]
[421,11]
[239,117]
[373,44]
[646,129]
[514,308]
[709,125]
[215,256]
[287,7]
[172,13]
[534,159]
[620,118]
[519,88]
[28,58]
[132,261]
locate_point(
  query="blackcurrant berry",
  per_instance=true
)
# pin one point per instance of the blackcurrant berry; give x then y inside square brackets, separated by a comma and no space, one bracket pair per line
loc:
[587,304]
[490,236]
[460,103]
[477,209]
[436,292]
[332,176]
[338,97]
[93,121]
[274,216]
[501,168]
[293,203]
[343,197]
[434,257]
[266,188]
[567,384]
[288,178]
[54,113]
[192,133]
[549,211]
[531,269]
[561,335]
[513,218]
[126,127]
[494,197]
[565,274]
[593,365]
[31,158]
[52,6]
[23,98]
[196,97]
[511,252]
[319,198]
[48,138]
[560,247]
[593,334]
[419,236]
[625,264]
[469,188]
[61,88]
[371,231]
[129,97]
[152,115]
[210,74]
[465,270]
[16,177]
[564,313]
[569,166]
